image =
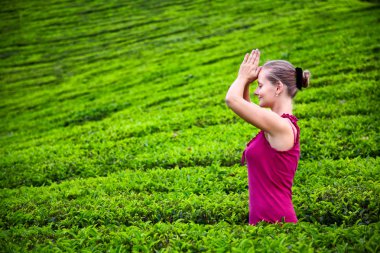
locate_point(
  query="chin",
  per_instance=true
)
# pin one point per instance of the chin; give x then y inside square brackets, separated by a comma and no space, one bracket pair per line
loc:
[262,105]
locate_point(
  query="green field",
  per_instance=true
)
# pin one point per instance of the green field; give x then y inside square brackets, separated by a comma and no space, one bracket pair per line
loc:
[115,135]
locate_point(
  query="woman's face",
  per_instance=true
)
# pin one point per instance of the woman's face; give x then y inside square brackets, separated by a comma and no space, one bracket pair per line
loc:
[265,91]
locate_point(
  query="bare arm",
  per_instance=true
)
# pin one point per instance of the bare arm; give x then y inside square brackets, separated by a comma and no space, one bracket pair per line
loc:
[246,93]
[248,72]
[236,99]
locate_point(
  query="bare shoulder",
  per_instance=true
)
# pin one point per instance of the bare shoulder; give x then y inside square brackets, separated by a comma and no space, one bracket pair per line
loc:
[282,140]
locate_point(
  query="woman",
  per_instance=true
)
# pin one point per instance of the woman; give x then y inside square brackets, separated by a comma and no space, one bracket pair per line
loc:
[273,154]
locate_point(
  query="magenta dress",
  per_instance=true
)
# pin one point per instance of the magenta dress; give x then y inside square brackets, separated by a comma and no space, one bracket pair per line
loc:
[270,178]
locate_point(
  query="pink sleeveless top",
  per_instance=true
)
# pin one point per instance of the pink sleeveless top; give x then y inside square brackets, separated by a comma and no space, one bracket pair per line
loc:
[270,178]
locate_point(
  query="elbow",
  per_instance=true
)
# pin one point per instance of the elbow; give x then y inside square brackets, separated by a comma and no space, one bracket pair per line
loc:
[226,100]
[230,101]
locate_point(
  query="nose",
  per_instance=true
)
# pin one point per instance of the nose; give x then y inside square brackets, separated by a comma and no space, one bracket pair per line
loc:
[256,92]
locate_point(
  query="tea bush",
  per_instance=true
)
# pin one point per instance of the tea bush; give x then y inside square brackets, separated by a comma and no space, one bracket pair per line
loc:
[115,136]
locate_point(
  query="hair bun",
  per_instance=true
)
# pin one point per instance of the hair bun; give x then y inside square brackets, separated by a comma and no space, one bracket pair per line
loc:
[306,78]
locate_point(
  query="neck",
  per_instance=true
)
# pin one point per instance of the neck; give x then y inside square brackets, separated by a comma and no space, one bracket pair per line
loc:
[283,106]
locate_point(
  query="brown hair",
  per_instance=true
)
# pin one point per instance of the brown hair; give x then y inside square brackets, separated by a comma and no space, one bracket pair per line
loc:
[284,71]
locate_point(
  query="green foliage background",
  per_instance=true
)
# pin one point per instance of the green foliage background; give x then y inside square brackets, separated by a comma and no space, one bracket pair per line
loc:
[114,133]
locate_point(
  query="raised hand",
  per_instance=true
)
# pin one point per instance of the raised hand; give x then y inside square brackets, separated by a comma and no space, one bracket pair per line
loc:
[249,69]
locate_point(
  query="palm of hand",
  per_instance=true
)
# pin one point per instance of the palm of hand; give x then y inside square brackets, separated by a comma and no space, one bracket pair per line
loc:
[249,68]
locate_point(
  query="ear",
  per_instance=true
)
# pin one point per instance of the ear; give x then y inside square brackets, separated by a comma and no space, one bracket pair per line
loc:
[280,87]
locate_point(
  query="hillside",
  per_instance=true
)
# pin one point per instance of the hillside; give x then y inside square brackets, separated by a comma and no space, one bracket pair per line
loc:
[114,132]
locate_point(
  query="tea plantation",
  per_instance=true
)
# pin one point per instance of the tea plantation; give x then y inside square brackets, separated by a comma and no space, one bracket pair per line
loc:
[115,135]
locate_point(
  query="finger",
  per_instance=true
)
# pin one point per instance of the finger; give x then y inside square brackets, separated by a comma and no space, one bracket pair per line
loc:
[253,57]
[246,58]
[250,57]
[257,58]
